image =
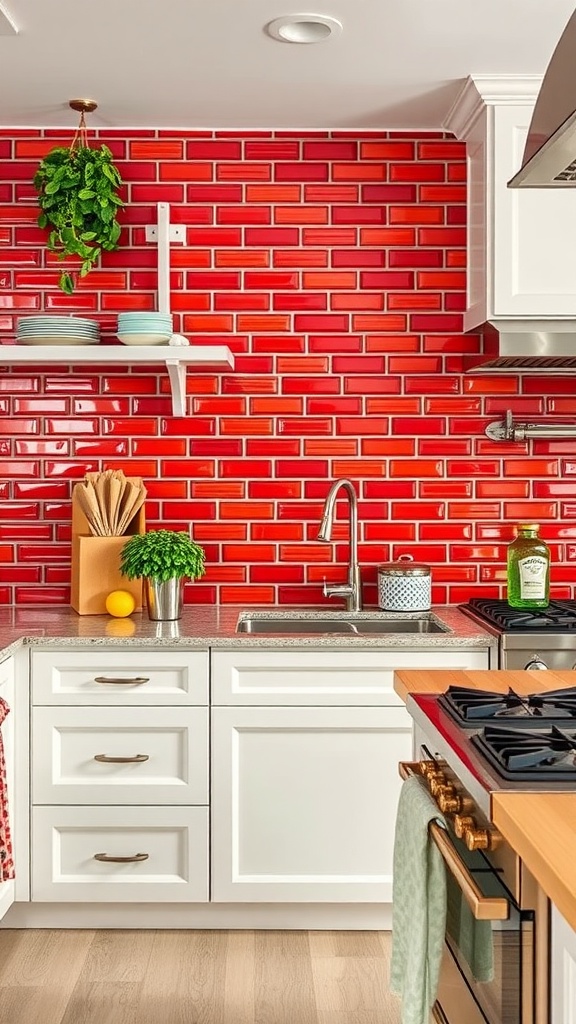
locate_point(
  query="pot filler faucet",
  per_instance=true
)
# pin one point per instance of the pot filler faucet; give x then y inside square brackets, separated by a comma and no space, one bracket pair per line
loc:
[352,590]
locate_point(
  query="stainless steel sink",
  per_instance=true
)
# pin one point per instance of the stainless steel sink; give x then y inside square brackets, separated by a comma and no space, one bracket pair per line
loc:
[349,626]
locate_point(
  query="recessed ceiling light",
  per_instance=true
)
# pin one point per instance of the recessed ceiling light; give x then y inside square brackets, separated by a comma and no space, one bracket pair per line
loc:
[304,28]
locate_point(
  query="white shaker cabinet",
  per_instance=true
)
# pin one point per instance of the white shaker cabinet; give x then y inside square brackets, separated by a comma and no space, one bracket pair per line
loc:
[521,242]
[7,694]
[304,801]
[119,776]
[305,785]
[563,980]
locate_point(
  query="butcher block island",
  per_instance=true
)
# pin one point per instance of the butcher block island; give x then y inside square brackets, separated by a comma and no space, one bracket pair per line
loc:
[540,825]
[497,751]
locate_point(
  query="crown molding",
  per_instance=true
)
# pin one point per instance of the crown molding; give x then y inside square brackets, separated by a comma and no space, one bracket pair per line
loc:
[481,91]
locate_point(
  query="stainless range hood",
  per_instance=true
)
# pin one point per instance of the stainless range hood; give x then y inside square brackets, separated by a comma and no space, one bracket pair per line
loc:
[527,346]
[550,154]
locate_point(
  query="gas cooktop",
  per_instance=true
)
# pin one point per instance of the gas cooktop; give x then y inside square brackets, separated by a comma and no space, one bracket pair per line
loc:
[472,708]
[558,617]
[547,756]
[515,754]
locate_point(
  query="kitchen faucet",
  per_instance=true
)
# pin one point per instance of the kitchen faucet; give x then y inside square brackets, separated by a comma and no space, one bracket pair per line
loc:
[352,590]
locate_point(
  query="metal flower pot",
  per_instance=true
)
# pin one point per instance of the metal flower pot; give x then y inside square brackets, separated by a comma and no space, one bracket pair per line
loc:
[164,600]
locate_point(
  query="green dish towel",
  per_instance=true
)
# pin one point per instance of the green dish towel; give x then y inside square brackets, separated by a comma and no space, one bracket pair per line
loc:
[473,938]
[419,907]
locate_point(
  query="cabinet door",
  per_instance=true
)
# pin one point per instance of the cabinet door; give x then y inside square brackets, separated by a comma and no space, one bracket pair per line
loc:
[352,677]
[535,230]
[7,694]
[304,802]
[563,994]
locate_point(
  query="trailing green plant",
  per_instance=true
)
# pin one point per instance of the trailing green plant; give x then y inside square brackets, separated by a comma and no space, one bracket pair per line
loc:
[161,555]
[78,200]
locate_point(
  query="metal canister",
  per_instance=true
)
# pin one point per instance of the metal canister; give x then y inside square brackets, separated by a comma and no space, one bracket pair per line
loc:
[404,586]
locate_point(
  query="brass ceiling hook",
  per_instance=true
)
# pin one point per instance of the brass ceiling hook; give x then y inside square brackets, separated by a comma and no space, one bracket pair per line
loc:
[83,107]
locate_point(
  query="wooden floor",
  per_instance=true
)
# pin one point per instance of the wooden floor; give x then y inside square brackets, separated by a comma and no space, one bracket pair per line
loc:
[199,977]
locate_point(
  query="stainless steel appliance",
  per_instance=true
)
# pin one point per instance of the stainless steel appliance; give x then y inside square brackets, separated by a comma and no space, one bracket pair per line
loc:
[472,745]
[539,639]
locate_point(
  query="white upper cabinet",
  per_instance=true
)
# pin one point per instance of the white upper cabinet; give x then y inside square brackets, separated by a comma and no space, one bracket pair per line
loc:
[521,242]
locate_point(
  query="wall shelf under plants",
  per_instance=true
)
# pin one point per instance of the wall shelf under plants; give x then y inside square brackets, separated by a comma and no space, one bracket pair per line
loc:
[176,358]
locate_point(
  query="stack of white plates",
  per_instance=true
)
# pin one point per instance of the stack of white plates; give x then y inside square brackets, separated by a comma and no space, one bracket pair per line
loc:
[144,328]
[57,330]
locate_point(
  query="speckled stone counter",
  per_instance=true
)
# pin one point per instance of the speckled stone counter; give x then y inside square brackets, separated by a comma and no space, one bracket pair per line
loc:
[214,626]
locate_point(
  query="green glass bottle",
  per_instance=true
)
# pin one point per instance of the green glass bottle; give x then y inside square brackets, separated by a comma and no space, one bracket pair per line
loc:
[528,569]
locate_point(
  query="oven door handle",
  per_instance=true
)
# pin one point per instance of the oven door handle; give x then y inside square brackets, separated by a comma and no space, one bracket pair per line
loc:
[484,908]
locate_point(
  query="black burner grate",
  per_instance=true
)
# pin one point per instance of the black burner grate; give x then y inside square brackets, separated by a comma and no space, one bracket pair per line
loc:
[474,707]
[558,617]
[546,756]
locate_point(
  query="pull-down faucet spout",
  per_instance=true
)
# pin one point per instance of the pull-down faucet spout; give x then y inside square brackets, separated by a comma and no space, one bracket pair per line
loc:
[352,590]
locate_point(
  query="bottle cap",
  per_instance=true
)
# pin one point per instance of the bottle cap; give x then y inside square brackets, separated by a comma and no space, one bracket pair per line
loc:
[528,526]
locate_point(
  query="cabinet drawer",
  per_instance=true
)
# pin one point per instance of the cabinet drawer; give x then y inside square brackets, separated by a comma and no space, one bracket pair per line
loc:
[88,676]
[66,840]
[291,677]
[171,743]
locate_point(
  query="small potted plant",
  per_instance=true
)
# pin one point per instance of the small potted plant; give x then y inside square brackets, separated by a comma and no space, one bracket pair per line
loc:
[164,559]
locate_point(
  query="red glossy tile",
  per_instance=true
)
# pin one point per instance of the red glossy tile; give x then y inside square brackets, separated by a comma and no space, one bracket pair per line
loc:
[272,150]
[273,193]
[275,489]
[244,215]
[299,302]
[535,510]
[389,446]
[300,258]
[303,171]
[273,236]
[244,172]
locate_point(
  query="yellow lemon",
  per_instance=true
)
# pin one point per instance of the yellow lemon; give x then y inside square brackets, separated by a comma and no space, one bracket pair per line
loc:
[120,603]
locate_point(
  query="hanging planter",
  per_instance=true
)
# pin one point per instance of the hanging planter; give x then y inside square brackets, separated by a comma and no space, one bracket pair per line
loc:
[78,199]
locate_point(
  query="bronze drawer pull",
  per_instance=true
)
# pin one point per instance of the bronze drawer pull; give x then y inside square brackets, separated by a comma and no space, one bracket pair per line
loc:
[134,681]
[484,908]
[121,860]
[137,759]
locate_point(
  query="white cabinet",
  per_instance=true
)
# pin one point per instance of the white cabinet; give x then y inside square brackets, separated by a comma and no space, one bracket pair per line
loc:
[120,854]
[304,801]
[563,981]
[357,678]
[7,694]
[114,678]
[119,776]
[304,798]
[120,755]
[521,242]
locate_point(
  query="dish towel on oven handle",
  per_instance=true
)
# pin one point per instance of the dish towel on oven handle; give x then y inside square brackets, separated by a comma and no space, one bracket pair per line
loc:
[6,861]
[419,904]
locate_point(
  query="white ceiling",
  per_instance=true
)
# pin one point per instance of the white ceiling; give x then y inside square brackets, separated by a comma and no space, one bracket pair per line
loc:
[398,64]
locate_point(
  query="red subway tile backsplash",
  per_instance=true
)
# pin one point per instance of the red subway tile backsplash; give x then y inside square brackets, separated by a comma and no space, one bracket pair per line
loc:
[333,264]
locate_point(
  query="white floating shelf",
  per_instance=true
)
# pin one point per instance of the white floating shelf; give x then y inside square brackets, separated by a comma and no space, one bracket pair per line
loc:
[176,358]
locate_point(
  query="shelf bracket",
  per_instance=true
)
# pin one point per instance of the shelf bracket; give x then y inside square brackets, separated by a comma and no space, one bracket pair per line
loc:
[177,374]
[163,233]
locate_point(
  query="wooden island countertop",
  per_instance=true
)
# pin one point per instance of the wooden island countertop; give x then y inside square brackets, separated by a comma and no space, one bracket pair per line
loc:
[541,827]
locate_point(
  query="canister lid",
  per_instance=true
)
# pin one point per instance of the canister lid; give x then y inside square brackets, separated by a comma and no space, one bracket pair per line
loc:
[404,566]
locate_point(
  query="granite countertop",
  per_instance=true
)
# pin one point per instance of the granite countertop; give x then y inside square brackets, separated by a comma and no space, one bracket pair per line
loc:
[541,827]
[215,626]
